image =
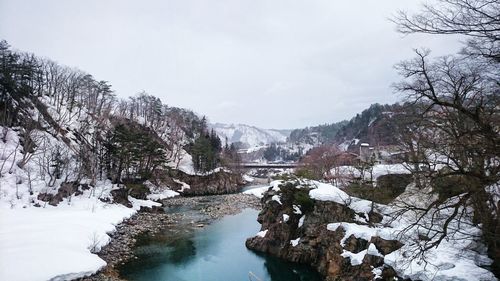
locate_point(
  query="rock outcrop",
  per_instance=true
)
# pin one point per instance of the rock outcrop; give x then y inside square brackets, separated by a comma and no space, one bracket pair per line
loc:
[66,190]
[294,227]
[216,183]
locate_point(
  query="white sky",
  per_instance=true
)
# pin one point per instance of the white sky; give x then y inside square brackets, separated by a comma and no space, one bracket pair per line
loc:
[272,64]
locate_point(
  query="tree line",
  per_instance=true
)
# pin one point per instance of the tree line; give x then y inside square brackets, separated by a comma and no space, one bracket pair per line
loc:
[73,127]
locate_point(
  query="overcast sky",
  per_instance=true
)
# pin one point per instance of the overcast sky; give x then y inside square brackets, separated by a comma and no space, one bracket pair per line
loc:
[272,64]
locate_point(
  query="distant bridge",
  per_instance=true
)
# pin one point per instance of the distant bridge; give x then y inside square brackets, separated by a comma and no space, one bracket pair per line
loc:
[269,165]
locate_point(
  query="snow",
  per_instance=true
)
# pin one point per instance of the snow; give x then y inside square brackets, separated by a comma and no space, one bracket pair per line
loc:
[360,219]
[377,272]
[258,191]
[344,146]
[186,164]
[159,192]
[457,258]
[296,210]
[359,231]
[252,136]
[372,250]
[184,185]
[447,262]
[378,170]
[248,178]
[55,242]
[42,243]
[371,121]
[262,233]
[356,259]
[277,199]
[294,242]
[137,203]
[276,185]
[253,149]
[167,193]
[301,221]
[286,218]
[328,192]
[385,169]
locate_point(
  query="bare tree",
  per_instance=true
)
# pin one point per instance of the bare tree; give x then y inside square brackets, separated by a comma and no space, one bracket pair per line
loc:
[320,161]
[30,137]
[453,134]
[458,140]
[478,20]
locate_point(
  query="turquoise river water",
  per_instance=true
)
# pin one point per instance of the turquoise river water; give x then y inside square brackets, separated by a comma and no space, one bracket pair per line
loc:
[216,252]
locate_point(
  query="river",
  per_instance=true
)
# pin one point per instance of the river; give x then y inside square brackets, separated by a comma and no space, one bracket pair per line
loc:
[215,252]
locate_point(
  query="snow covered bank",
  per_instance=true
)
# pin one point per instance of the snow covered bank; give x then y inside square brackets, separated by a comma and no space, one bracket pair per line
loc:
[161,192]
[56,242]
[59,243]
[378,170]
[47,242]
[257,192]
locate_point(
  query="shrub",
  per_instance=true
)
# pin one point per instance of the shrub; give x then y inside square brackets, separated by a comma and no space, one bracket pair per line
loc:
[388,188]
[301,198]
[449,186]
[307,174]
[137,190]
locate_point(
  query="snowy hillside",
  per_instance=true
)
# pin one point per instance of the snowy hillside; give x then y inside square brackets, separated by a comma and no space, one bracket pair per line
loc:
[249,135]
[71,153]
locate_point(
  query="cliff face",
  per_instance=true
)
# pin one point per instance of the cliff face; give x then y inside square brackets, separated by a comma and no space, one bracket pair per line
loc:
[216,183]
[296,228]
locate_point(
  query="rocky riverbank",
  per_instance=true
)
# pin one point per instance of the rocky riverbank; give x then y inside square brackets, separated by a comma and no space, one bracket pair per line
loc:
[192,212]
[295,228]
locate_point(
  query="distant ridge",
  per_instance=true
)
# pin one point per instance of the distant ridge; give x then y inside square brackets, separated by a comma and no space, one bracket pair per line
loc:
[249,136]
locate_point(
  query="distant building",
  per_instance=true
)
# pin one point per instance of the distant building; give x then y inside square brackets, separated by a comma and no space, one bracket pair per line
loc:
[365,152]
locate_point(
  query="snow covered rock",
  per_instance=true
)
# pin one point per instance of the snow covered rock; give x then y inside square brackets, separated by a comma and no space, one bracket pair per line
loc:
[339,237]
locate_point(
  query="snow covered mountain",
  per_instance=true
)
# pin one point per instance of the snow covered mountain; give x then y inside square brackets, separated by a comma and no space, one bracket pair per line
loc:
[249,135]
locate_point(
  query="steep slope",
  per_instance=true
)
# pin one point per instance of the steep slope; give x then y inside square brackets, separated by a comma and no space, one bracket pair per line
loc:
[75,161]
[375,125]
[316,135]
[249,136]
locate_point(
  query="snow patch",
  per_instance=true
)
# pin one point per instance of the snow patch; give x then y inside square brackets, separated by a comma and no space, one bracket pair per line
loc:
[262,233]
[328,192]
[258,191]
[159,192]
[286,218]
[296,210]
[301,221]
[184,185]
[358,231]
[277,199]
[356,259]
[248,178]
